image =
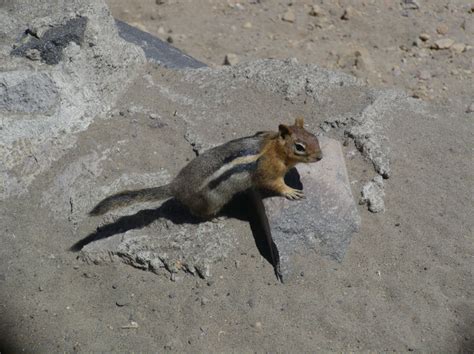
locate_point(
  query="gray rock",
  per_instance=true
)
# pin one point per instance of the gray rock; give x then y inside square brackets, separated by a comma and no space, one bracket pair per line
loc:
[51,43]
[166,247]
[325,220]
[373,194]
[155,49]
[28,92]
[44,106]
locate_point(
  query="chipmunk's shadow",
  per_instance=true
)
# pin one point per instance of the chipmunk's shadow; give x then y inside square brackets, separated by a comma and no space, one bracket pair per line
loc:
[241,207]
[170,209]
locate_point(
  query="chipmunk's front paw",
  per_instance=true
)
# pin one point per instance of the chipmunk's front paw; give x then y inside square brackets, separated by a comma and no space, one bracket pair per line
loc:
[293,194]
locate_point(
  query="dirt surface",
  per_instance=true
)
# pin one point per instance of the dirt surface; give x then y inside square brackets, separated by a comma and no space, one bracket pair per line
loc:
[407,280]
[387,43]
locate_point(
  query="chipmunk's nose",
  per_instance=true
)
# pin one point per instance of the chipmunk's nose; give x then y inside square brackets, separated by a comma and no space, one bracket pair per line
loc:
[319,156]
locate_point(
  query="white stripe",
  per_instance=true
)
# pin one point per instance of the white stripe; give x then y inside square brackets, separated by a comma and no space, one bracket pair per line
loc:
[238,161]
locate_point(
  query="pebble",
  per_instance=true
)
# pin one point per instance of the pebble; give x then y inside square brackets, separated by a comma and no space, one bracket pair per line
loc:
[470,109]
[444,43]
[33,54]
[411,4]
[289,16]
[458,47]
[349,13]
[247,25]
[231,59]
[424,37]
[169,39]
[315,11]
[442,29]
[132,325]
[424,75]
[122,302]
[204,301]
[396,70]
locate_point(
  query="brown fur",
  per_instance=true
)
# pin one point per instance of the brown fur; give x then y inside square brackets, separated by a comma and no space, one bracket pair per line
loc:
[275,156]
[279,157]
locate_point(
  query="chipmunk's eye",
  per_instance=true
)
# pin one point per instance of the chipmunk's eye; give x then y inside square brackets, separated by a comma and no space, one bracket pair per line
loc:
[300,149]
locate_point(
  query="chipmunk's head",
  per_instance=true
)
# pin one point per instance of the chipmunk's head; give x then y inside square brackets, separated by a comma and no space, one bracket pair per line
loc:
[300,144]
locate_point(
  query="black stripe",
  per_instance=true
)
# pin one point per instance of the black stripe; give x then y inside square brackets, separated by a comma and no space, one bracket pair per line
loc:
[252,166]
[246,146]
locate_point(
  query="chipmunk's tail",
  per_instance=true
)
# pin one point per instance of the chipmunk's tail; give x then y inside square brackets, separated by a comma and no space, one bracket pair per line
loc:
[131,197]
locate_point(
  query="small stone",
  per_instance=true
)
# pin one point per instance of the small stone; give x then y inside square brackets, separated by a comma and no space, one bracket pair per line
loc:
[122,302]
[363,61]
[169,39]
[160,2]
[458,47]
[231,59]
[315,10]
[33,54]
[251,303]
[204,301]
[444,43]
[349,13]
[411,4]
[470,109]
[442,29]
[258,325]
[396,70]
[154,116]
[289,16]
[132,325]
[417,42]
[424,37]
[373,194]
[424,75]
[161,30]
[247,25]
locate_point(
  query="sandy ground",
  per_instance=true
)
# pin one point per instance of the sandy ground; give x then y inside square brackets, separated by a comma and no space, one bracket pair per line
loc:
[406,283]
[386,43]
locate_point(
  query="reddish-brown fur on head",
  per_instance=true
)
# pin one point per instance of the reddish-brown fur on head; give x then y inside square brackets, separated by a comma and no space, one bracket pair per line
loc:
[299,144]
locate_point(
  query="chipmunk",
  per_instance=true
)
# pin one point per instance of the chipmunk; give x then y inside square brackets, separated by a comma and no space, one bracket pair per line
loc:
[210,180]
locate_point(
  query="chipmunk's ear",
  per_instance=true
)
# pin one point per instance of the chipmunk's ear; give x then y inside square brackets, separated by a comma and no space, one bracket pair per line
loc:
[299,122]
[284,130]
